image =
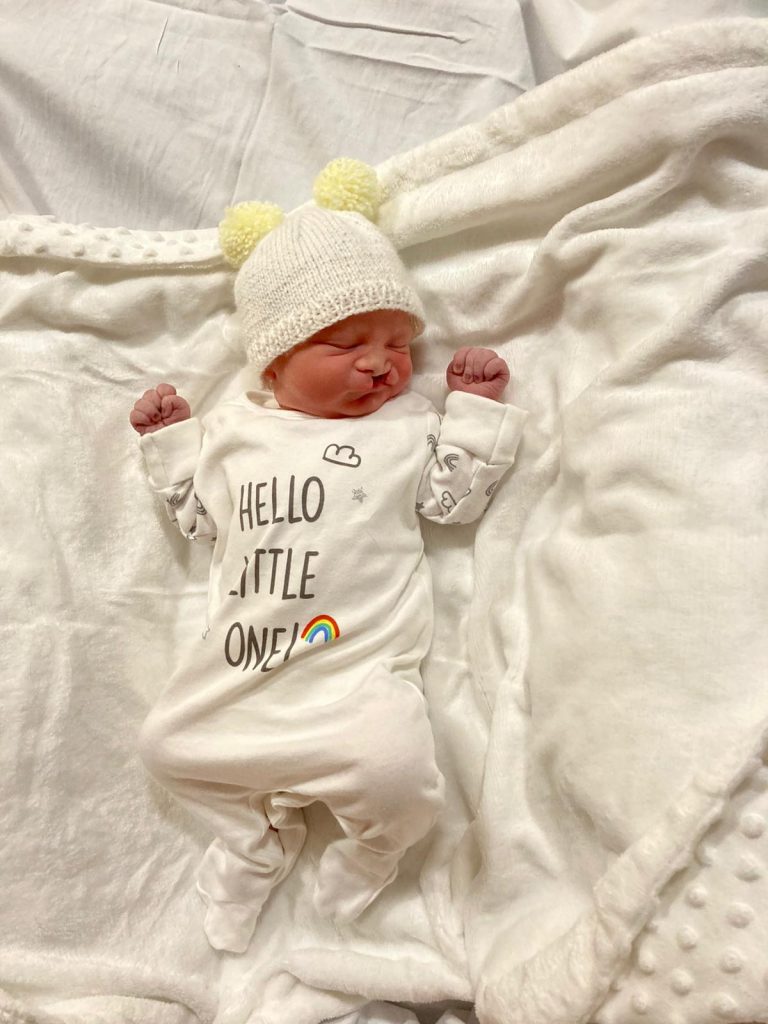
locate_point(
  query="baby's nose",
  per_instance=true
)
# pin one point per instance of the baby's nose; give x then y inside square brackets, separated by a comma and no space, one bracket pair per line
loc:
[373,361]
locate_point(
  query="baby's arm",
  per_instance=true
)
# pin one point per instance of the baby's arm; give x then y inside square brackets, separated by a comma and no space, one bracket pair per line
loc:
[171,443]
[474,444]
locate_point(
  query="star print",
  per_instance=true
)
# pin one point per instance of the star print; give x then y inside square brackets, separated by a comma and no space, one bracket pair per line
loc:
[419,506]
[358,494]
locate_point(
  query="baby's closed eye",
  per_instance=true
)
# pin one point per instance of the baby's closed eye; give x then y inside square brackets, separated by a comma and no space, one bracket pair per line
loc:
[339,346]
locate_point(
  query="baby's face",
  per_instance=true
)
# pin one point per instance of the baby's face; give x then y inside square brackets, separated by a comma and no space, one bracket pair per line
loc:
[348,369]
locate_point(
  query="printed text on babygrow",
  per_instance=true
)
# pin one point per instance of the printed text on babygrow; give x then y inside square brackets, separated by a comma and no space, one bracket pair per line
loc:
[284,573]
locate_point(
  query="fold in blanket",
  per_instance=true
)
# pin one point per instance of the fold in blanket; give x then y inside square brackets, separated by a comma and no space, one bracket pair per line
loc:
[597,679]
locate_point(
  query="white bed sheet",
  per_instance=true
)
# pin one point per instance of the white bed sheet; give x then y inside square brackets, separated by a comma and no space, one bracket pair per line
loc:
[158,114]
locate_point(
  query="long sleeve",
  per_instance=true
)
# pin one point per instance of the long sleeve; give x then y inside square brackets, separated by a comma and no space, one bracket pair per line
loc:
[171,456]
[472,447]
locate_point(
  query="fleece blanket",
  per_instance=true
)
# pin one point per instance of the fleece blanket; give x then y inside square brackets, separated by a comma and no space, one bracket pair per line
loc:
[597,679]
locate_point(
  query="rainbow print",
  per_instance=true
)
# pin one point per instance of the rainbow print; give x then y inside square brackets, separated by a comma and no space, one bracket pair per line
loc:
[321,625]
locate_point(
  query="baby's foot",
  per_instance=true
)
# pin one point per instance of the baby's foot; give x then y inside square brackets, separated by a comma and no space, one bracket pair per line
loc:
[345,887]
[234,892]
[230,926]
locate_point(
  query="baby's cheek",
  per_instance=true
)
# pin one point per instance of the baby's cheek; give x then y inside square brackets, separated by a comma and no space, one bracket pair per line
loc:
[330,376]
[404,366]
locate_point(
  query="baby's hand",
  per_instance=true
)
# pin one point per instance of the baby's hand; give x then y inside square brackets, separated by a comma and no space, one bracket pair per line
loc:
[478,371]
[159,407]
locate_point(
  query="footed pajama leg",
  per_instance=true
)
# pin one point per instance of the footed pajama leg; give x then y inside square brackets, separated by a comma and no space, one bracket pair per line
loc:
[240,751]
[384,788]
[248,858]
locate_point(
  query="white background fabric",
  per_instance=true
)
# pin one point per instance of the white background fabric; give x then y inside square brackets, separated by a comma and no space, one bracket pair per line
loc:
[626,291]
[157,115]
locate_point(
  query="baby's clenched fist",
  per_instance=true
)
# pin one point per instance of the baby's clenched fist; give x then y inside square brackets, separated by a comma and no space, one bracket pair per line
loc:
[159,407]
[478,371]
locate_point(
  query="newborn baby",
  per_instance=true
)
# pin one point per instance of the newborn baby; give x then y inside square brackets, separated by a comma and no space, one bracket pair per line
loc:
[305,685]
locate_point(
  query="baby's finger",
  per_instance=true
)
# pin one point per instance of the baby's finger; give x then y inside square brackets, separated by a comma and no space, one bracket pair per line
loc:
[458,361]
[152,397]
[164,390]
[473,368]
[175,408]
[150,408]
[177,416]
[139,419]
[496,368]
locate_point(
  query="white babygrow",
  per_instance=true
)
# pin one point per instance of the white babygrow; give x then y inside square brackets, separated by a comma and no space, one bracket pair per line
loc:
[305,685]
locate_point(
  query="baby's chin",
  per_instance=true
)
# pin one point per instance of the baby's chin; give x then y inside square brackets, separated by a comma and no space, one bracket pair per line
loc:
[369,402]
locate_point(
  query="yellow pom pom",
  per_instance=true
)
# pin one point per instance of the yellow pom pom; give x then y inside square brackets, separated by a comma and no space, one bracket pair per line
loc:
[243,227]
[346,184]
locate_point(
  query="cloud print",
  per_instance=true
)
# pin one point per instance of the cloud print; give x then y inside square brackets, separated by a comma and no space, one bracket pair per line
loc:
[342,455]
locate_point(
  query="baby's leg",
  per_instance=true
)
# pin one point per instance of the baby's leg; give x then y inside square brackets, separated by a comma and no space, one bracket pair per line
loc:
[384,788]
[217,777]
[222,745]
[244,863]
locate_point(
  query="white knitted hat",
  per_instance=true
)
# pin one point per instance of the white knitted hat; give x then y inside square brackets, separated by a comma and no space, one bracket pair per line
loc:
[315,268]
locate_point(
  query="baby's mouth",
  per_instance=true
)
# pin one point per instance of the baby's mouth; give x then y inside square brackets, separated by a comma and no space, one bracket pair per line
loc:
[377,383]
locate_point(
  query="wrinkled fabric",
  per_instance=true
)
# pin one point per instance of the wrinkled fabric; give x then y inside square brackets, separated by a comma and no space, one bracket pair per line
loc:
[597,678]
[160,114]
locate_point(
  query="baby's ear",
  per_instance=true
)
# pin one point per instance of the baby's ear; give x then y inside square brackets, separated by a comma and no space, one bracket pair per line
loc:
[243,227]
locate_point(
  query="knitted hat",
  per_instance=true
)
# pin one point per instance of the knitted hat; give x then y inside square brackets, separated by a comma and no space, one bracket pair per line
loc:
[315,267]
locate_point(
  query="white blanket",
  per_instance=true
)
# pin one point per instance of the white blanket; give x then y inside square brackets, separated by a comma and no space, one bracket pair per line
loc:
[597,678]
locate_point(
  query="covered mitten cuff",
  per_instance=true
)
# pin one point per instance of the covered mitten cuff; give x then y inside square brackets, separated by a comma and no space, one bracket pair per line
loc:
[171,454]
[492,430]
